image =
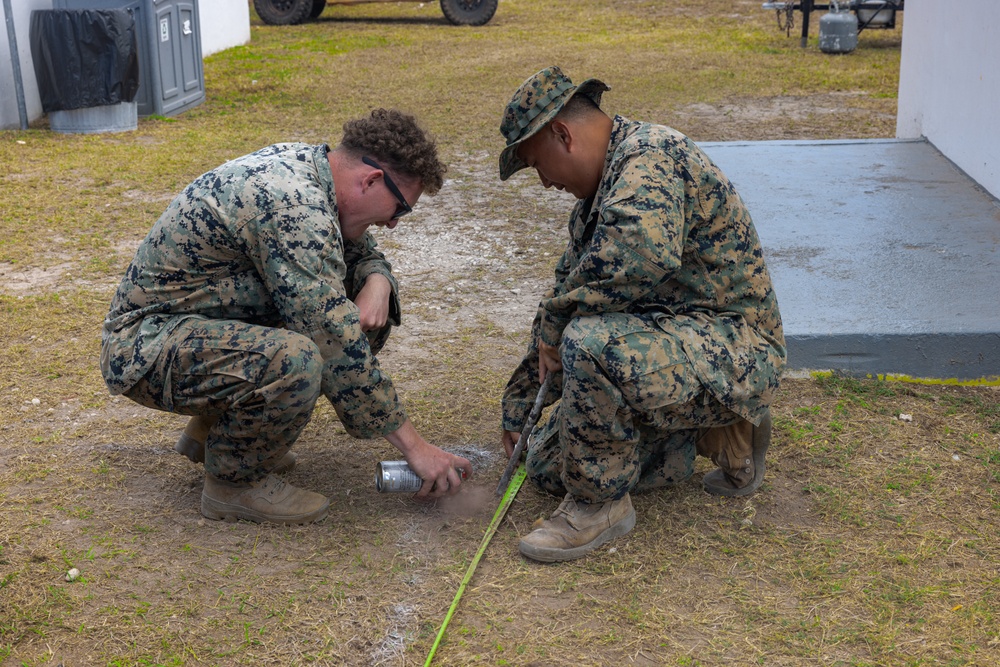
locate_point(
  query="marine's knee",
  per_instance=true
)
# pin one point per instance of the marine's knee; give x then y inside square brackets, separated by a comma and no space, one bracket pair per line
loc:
[584,336]
[296,367]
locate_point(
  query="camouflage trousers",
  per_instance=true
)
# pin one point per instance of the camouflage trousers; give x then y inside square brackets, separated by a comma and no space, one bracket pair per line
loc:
[261,382]
[629,415]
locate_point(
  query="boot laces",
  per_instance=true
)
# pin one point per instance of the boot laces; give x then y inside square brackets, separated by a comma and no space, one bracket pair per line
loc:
[566,508]
[274,485]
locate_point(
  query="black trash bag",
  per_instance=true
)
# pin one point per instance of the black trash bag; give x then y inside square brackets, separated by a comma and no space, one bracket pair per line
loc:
[84,57]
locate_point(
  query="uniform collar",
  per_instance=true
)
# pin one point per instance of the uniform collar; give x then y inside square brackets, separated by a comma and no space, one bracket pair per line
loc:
[325,174]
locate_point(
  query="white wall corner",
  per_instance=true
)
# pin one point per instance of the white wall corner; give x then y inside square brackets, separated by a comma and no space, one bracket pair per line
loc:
[224,24]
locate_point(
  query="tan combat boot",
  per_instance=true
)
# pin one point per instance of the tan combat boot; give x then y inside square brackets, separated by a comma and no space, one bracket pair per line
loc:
[192,443]
[577,528]
[739,451]
[272,500]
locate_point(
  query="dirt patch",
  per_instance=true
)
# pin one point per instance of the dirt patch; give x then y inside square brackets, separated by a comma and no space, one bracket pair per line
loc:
[785,117]
[16,279]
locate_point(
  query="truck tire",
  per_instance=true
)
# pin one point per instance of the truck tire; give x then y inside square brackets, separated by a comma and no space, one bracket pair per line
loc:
[318,7]
[283,12]
[469,12]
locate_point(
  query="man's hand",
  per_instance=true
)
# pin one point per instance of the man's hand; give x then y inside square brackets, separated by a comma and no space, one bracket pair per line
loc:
[509,440]
[442,472]
[548,362]
[373,302]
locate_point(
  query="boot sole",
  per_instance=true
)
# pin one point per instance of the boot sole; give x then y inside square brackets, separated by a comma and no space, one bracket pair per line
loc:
[716,483]
[219,511]
[550,555]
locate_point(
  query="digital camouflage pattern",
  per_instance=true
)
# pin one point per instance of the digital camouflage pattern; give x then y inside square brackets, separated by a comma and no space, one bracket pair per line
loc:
[664,310]
[255,242]
[261,382]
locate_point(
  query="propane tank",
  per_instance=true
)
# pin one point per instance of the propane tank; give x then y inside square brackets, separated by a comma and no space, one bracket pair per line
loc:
[838,30]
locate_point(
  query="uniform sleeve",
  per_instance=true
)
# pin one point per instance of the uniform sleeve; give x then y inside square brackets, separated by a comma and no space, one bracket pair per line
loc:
[363,259]
[636,245]
[299,253]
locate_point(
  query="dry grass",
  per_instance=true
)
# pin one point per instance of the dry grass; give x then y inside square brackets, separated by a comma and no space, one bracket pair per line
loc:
[872,543]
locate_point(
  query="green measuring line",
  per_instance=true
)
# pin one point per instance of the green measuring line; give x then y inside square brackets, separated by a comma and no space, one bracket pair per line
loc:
[508,498]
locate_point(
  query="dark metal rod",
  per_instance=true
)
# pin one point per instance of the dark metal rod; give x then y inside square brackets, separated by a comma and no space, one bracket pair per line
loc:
[15,63]
[806,8]
[529,425]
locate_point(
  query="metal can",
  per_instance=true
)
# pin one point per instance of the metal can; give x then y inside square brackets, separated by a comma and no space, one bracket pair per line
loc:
[396,477]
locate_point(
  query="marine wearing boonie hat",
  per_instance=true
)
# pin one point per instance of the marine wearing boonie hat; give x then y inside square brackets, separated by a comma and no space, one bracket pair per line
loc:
[536,102]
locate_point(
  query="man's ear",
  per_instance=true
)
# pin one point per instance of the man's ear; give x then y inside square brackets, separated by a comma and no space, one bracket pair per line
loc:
[369,176]
[562,133]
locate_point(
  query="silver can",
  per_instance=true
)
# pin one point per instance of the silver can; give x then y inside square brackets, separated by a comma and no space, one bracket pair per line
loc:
[396,477]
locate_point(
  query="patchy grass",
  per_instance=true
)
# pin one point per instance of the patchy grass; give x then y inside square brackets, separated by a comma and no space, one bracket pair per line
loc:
[872,543]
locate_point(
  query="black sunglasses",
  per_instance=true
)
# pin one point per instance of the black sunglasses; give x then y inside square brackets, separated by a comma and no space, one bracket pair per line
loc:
[402,208]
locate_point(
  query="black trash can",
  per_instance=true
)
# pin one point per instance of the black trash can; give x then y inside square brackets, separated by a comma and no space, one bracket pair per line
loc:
[87,66]
[171,76]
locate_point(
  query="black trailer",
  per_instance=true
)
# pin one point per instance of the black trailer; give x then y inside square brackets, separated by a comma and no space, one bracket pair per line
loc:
[872,14]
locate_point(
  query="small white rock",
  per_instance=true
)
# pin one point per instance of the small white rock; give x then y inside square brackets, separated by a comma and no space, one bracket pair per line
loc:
[903,417]
[73,574]
[956,457]
[36,401]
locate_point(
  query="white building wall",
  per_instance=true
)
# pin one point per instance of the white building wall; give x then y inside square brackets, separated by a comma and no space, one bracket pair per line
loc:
[949,83]
[21,14]
[224,24]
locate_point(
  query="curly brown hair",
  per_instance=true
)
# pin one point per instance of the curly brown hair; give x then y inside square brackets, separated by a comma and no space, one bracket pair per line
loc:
[394,139]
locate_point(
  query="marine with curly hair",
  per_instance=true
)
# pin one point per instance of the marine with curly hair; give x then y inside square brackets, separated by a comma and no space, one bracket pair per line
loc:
[260,289]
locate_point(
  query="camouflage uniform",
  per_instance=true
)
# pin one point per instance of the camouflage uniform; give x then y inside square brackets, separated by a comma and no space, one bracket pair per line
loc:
[238,304]
[665,316]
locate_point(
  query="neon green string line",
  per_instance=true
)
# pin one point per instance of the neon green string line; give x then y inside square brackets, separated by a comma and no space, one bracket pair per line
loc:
[508,498]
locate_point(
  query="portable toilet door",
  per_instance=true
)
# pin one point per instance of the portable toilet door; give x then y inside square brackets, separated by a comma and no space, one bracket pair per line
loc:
[178,81]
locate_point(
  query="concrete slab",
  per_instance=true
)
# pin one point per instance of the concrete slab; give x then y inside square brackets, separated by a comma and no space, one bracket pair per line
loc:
[884,255]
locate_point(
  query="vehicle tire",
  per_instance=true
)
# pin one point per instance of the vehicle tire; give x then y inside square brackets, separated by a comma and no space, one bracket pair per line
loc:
[469,12]
[318,7]
[283,12]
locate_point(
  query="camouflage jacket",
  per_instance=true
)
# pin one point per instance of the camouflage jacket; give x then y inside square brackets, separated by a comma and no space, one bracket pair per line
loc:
[258,240]
[666,235]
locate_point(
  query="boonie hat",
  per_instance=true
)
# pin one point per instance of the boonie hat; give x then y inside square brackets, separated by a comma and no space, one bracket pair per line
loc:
[535,103]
